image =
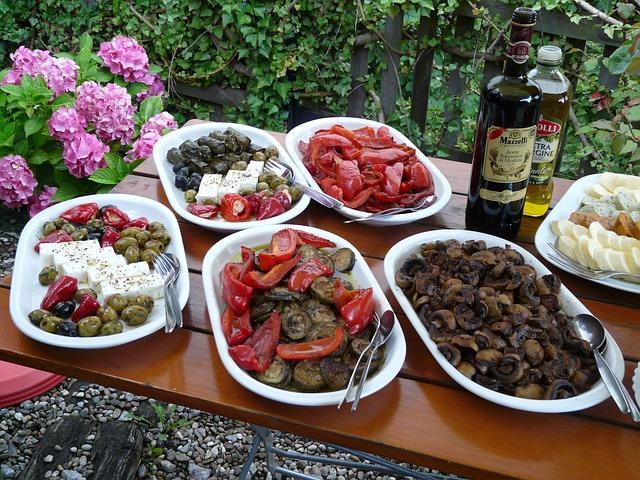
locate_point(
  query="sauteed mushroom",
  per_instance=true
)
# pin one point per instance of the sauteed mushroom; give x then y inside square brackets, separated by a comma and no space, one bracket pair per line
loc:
[451,353]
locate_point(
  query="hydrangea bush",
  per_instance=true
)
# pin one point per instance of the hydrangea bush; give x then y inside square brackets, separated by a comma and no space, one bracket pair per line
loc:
[76,124]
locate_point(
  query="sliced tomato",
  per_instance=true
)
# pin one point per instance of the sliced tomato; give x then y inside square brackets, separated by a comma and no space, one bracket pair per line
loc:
[282,247]
[312,350]
[349,179]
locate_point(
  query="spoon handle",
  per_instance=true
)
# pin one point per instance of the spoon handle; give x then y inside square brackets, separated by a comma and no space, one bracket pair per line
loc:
[632,408]
[363,379]
[611,381]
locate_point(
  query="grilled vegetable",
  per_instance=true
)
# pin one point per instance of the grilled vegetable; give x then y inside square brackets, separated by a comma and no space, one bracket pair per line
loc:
[335,374]
[344,259]
[322,288]
[295,323]
[307,376]
[278,374]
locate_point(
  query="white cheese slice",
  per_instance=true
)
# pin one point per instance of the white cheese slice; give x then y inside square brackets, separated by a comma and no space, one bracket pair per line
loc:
[230,184]
[47,250]
[108,270]
[79,255]
[130,287]
[79,269]
[255,167]
[208,189]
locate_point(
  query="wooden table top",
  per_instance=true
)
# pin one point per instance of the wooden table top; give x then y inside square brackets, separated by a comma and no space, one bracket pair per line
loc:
[422,416]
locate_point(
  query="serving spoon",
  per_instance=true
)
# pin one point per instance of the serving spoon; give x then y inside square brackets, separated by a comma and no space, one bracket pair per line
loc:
[590,329]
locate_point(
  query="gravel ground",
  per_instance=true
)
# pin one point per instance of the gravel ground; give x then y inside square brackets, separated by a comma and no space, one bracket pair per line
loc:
[10,227]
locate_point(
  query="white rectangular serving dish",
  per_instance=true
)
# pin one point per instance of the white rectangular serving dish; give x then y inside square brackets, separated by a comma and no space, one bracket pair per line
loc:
[228,248]
[570,305]
[569,203]
[441,185]
[27,293]
[176,196]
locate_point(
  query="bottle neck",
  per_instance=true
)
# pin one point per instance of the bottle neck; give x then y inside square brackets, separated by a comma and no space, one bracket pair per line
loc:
[517,53]
[545,69]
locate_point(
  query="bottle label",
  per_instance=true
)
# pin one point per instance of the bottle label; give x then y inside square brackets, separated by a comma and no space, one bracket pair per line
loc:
[505,196]
[519,42]
[507,157]
[545,151]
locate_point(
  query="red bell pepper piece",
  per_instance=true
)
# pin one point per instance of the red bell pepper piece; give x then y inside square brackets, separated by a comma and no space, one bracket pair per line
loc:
[312,350]
[235,208]
[109,237]
[306,273]
[420,176]
[313,240]
[282,247]
[384,155]
[87,307]
[236,294]
[256,353]
[114,217]
[348,178]
[341,296]
[372,177]
[81,214]
[248,261]
[61,290]
[59,236]
[357,312]
[402,200]
[264,281]
[140,222]
[203,211]
[236,328]
[392,178]
[269,207]
[360,199]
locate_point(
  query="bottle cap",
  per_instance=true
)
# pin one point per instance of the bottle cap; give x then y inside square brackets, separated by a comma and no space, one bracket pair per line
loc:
[549,55]
[524,16]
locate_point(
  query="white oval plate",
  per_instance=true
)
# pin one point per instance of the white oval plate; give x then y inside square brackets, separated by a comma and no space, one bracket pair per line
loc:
[305,131]
[176,197]
[228,248]
[569,203]
[636,383]
[27,293]
[571,306]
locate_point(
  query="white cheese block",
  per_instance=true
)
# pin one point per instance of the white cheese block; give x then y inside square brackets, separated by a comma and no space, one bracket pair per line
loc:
[255,167]
[47,250]
[130,287]
[81,256]
[230,184]
[209,185]
[110,270]
[80,268]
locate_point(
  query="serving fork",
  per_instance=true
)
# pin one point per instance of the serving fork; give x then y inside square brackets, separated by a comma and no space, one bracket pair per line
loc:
[574,267]
[169,269]
[422,203]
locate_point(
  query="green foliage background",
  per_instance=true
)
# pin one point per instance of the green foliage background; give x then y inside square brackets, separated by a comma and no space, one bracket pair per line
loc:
[300,50]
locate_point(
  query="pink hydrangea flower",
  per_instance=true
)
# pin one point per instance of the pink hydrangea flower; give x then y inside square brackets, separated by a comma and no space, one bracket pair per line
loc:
[41,200]
[84,154]
[158,123]
[156,87]
[143,146]
[25,62]
[109,108]
[124,56]
[17,182]
[60,74]
[65,123]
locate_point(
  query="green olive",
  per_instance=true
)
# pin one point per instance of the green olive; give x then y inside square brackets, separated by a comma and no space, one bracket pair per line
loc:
[144,301]
[118,302]
[207,201]
[190,196]
[296,194]
[267,193]
[277,181]
[259,157]
[89,326]
[80,234]
[134,315]
[111,328]
[266,177]
[121,245]
[95,223]
[50,323]
[271,151]
[143,237]
[161,237]
[155,245]
[132,254]
[59,222]
[107,314]
[84,291]
[130,232]
[38,315]
[49,227]
[153,226]
[149,256]
[246,191]
[262,186]
[239,165]
[282,187]
[67,227]
[48,275]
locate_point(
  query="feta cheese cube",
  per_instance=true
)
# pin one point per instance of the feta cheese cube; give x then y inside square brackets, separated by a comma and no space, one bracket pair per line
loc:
[130,287]
[80,269]
[47,250]
[255,167]
[107,271]
[208,189]
[230,184]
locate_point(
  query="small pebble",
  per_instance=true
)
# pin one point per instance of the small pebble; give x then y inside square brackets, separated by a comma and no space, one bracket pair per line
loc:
[48,459]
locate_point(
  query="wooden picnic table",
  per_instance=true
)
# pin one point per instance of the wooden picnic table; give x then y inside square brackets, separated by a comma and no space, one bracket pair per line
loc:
[422,417]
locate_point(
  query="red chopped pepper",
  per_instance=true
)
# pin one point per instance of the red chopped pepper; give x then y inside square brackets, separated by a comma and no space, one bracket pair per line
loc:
[61,290]
[87,307]
[236,294]
[235,208]
[109,237]
[312,350]
[248,261]
[306,273]
[385,155]
[282,247]
[341,296]
[203,211]
[114,217]
[236,328]
[392,178]
[59,236]
[140,222]
[360,199]
[81,214]
[348,178]
[420,176]
[269,207]
[313,240]
[264,281]
[256,353]
[357,312]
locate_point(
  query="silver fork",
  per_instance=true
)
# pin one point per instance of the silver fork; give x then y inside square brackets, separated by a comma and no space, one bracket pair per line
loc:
[422,203]
[171,303]
[286,172]
[587,272]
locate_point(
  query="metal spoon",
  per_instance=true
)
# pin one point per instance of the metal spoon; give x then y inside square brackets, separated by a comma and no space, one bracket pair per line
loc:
[590,329]
[173,291]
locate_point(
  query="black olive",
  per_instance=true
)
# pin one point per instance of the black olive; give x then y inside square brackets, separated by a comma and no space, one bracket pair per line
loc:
[68,329]
[182,182]
[64,309]
[184,171]
[94,236]
[194,181]
[177,167]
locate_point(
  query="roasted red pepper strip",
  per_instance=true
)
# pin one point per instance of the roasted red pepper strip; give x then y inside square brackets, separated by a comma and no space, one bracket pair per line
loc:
[236,328]
[306,273]
[109,237]
[235,208]
[360,199]
[420,176]
[248,261]
[256,353]
[59,236]
[348,178]
[384,155]
[87,307]
[282,247]
[341,296]
[357,312]
[269,207]
[236,294]
[312,350]
[81,214]
[264,281]
[114,217]
[140,222]
[313,240]
[61,290]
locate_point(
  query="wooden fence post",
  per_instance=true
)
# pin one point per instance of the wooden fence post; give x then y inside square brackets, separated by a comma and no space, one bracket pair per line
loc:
[358,94]
[605,77]
[389,77]
[422,71]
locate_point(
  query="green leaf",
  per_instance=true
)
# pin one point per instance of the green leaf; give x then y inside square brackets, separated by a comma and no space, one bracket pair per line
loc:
[283,89]
[629,147]
[86,42]
[107,176]
[38,157]
[14,90]
[33,125]
[136,88]
[620,59]
[68,186]
[633,114]
[603,125]
[625,10]
[63,100]
[149,107]
[618,143]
